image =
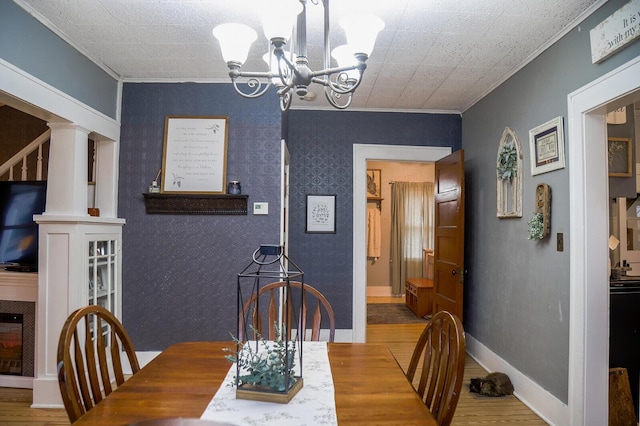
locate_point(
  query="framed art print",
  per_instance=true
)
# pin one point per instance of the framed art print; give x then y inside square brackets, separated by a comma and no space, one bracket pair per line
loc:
[619,157]
[374,178]
[547,147]
[321,214]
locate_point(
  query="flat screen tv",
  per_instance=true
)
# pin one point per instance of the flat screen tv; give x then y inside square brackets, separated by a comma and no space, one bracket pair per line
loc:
[19,201]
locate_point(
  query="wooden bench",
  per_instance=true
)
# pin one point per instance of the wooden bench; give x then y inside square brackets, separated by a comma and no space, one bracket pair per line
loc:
[419,295]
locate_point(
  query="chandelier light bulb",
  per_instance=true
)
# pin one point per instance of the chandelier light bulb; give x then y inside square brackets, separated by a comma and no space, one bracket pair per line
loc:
[361,32]
[345,58]
[235,41]
[278,18]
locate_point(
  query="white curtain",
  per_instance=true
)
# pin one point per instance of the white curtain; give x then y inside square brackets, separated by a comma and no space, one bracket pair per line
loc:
[412,210]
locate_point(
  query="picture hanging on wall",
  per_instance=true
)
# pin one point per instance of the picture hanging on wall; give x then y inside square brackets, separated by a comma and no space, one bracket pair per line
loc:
[194,158]
[321,214]
[620,157]
[374,178]
[547,147]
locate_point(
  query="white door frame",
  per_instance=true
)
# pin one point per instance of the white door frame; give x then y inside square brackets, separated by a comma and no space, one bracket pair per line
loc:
[361,154]
[589,232]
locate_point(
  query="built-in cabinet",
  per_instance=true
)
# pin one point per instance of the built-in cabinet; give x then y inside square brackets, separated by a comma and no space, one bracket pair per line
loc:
[80,263]
[103,281]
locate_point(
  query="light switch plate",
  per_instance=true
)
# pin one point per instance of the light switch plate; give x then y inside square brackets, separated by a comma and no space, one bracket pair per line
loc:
[560,241]
[260,208]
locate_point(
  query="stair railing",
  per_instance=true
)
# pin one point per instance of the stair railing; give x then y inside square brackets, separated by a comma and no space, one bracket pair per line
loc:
[23,155]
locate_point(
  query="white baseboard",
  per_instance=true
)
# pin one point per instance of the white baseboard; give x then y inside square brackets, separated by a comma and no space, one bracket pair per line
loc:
[22,382]
[144,357]
[539,400]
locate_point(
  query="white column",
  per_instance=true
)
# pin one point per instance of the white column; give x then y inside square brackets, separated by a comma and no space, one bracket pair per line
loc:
[106,197]
[68,170]
[61,252]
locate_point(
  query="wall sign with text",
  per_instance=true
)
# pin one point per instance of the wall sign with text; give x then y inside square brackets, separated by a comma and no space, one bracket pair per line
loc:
[195,155]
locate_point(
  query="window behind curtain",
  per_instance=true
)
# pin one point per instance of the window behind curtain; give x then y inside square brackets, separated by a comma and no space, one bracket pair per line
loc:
[411,230]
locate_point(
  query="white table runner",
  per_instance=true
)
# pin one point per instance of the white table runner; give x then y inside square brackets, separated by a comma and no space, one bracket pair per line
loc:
[313,405]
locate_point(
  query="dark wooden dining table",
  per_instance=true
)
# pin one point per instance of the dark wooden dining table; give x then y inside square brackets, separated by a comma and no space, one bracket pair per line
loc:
[369,385]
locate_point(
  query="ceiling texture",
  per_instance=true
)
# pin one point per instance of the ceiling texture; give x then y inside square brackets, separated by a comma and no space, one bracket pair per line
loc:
[432,55]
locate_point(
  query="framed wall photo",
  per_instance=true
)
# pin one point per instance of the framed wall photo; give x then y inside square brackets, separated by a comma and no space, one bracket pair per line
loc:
[547,147]
[194,159]
[321,214]
[620,157]
[374,179]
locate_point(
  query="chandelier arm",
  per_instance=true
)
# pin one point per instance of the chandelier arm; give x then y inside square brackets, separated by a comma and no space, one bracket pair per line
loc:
[285,101]
[290,68]
[335,70]
[257,87]
[339,88]
[282,91]
[331,97]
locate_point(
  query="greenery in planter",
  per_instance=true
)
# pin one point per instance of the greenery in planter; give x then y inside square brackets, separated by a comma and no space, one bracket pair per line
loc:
[266,368]
[536,227]
[508,162]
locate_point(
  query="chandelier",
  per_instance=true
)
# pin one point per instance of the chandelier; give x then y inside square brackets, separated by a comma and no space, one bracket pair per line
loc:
[289,71]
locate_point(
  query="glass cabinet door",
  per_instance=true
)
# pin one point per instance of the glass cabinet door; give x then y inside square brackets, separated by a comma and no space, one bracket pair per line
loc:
[102,276]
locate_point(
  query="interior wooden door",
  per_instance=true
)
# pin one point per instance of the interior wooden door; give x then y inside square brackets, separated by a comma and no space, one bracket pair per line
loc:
[449,234]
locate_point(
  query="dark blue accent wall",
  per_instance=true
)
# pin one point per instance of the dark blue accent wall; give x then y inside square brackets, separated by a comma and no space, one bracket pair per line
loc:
[179,271]
[321,148]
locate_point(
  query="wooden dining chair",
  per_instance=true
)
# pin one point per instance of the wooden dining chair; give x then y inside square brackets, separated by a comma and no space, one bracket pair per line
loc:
[89,363]
[439,357]
[266,306]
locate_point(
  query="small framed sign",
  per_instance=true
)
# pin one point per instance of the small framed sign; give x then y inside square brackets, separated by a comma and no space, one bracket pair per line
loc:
[321,214]
[547,147]
[194,159]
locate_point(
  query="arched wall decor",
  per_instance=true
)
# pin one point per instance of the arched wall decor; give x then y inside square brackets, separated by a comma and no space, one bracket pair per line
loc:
[509,175]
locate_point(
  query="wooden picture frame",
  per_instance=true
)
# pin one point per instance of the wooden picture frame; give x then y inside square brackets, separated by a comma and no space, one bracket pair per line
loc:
[194,158]
[374,181]
[321,214]
[620,157]
[547,147]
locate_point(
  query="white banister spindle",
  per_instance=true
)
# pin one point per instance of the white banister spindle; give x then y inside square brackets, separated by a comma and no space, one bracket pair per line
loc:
[24,168]
[11,174]
[92,178]
[39,163]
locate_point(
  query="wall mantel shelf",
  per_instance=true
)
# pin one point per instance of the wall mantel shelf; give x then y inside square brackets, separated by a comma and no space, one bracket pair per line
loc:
[222,204]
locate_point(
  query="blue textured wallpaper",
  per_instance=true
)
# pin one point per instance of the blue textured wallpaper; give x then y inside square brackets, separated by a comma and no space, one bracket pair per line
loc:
[321,148]
[179,271]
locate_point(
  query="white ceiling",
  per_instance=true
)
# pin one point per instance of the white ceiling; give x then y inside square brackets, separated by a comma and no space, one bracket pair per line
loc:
[433,55]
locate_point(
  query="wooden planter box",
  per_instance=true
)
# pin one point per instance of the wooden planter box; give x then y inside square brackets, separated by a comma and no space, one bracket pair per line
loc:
[256,393]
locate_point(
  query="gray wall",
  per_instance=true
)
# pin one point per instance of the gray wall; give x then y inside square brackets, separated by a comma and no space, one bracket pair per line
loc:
[517,290]
[30,46]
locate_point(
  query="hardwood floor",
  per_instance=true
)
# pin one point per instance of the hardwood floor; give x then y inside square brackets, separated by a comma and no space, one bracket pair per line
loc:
[472,408]
[400,338]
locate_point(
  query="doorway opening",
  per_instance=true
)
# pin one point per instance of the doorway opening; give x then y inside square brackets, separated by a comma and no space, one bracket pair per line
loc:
[589,229]
[362,153]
